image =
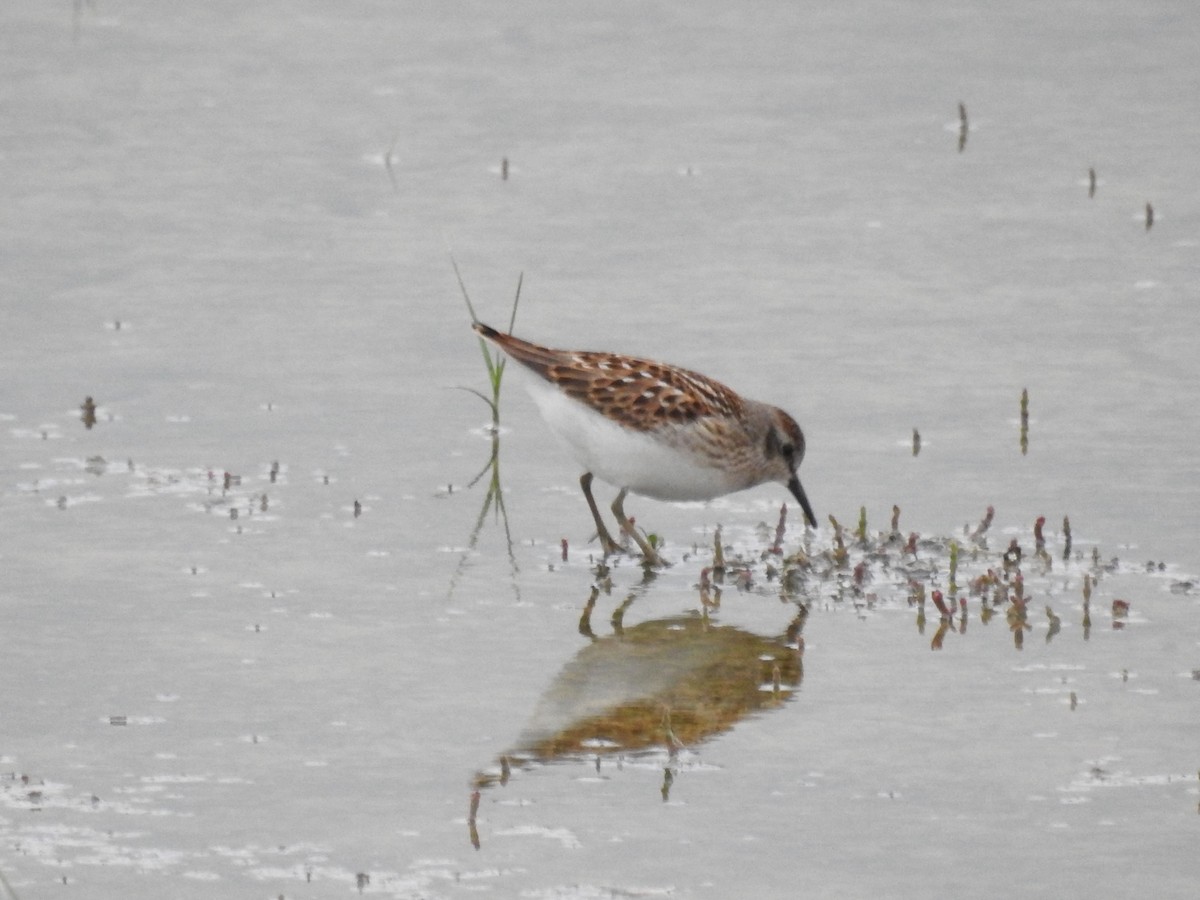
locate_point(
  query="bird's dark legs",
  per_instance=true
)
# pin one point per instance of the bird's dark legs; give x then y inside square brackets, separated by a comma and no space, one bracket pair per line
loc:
[649,554]
[607,544]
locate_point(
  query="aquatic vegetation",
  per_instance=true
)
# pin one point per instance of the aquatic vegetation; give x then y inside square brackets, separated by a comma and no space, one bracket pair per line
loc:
[494,498]
[494,362]
[660,688]
[1024,421]
[88,413]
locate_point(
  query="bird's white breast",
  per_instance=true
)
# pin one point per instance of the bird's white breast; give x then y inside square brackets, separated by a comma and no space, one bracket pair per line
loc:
[624,457]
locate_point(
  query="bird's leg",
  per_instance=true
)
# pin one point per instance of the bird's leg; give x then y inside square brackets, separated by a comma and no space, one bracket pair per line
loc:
[607,544]
[649,554]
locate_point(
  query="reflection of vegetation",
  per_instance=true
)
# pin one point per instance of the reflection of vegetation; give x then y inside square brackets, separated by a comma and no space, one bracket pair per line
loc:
[662,686]
[494,499]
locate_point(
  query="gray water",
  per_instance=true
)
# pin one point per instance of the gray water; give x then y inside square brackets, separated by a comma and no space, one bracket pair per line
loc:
[232,227]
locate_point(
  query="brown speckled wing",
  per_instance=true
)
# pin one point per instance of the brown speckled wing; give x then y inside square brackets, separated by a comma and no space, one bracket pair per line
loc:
[638,393]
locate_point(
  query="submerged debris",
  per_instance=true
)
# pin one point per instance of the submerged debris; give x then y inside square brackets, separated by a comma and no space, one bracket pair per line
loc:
[88,413]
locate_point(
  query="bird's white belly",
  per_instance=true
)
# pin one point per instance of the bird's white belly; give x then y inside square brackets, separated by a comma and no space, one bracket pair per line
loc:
[626,458]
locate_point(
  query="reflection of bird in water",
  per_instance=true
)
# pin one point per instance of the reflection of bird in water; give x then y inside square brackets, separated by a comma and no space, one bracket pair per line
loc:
[658,685]
[662,684]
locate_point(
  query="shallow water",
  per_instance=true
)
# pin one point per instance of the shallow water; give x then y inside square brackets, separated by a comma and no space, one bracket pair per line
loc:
[231,228]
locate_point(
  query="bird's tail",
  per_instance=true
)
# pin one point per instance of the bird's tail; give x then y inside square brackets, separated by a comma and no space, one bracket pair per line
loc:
[532,356]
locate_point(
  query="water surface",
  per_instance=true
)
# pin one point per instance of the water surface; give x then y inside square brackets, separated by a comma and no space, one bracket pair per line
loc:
[230,227]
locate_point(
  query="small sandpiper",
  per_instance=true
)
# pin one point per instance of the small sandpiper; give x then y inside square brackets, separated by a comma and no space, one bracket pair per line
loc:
[656,430]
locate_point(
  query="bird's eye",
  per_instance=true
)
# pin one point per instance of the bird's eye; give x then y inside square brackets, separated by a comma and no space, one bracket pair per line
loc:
[777,446]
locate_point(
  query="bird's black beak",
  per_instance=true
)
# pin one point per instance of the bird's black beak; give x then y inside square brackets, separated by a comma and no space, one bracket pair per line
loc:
[802,499]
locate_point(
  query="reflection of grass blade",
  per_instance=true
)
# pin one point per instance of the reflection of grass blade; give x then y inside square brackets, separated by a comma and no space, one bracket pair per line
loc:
[8,888]
[494,501]
[489,467]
